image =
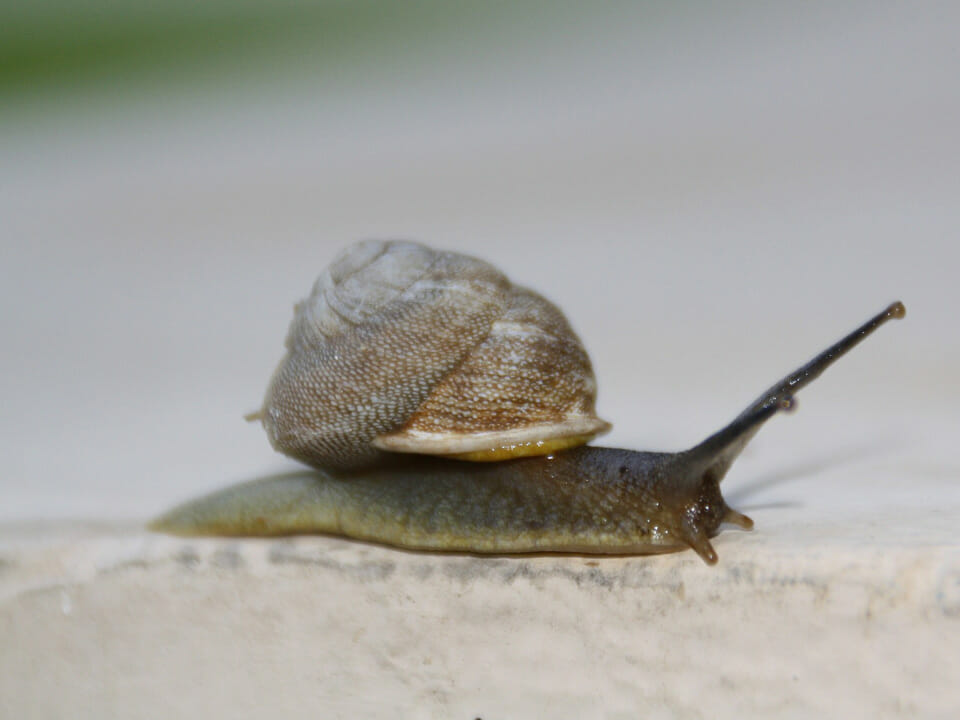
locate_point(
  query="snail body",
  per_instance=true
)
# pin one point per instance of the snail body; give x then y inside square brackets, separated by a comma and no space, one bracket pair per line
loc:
[567,502]
[446,409]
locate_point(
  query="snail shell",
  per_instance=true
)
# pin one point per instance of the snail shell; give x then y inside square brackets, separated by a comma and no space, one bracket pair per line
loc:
[403,348]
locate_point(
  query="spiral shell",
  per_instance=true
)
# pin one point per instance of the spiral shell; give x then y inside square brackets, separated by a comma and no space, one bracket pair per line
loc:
[402,348]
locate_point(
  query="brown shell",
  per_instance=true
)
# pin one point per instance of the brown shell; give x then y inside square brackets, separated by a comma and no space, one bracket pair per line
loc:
[403,348]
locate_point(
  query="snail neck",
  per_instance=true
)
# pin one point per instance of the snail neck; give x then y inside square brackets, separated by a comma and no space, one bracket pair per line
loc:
[678,493]
[673,498]
[718,452]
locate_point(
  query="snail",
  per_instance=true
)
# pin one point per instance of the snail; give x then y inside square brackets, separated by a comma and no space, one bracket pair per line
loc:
[447,409]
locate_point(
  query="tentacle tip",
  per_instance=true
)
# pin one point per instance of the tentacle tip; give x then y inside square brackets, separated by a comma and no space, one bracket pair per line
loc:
[739,519]
[707,554]
[697,540]
[254,416]
[897,310]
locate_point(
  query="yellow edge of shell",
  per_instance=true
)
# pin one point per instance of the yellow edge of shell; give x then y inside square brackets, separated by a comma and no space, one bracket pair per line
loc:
[502,445]
[516,450]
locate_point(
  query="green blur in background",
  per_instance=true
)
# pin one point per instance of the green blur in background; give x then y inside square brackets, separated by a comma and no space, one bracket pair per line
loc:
[63,44]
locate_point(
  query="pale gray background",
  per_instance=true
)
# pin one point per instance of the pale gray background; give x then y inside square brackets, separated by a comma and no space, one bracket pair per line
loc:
[712,193]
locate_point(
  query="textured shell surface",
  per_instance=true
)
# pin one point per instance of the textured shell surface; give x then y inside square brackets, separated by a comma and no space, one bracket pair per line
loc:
[403,348]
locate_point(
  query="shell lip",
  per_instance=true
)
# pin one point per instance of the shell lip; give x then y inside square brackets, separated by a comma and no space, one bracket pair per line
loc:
[449,443]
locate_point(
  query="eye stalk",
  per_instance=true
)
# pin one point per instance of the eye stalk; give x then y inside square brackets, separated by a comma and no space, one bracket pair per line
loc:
[718,451]
[698,471]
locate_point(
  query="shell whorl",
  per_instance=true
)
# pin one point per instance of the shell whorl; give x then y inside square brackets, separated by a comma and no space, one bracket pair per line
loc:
[403,348]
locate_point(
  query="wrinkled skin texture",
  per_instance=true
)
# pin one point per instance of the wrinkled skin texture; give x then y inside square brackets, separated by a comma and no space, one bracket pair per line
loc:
[587,500]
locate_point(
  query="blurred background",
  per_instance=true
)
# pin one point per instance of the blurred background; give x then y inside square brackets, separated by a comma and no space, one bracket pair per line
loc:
[711,191]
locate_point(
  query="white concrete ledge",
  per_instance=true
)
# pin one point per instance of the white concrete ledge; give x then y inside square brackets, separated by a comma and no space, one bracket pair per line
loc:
[101,622]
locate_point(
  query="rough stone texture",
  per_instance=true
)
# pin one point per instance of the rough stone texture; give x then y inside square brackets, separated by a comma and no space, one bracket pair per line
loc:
[795,621]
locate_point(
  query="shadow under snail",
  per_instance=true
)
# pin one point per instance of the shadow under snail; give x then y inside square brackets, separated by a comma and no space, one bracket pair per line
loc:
[447,409]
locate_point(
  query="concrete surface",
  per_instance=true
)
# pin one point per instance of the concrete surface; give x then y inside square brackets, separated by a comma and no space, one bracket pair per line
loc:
[711,198]
[800,619]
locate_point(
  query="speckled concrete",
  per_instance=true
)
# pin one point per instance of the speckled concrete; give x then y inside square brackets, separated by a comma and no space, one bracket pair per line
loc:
[108,622]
